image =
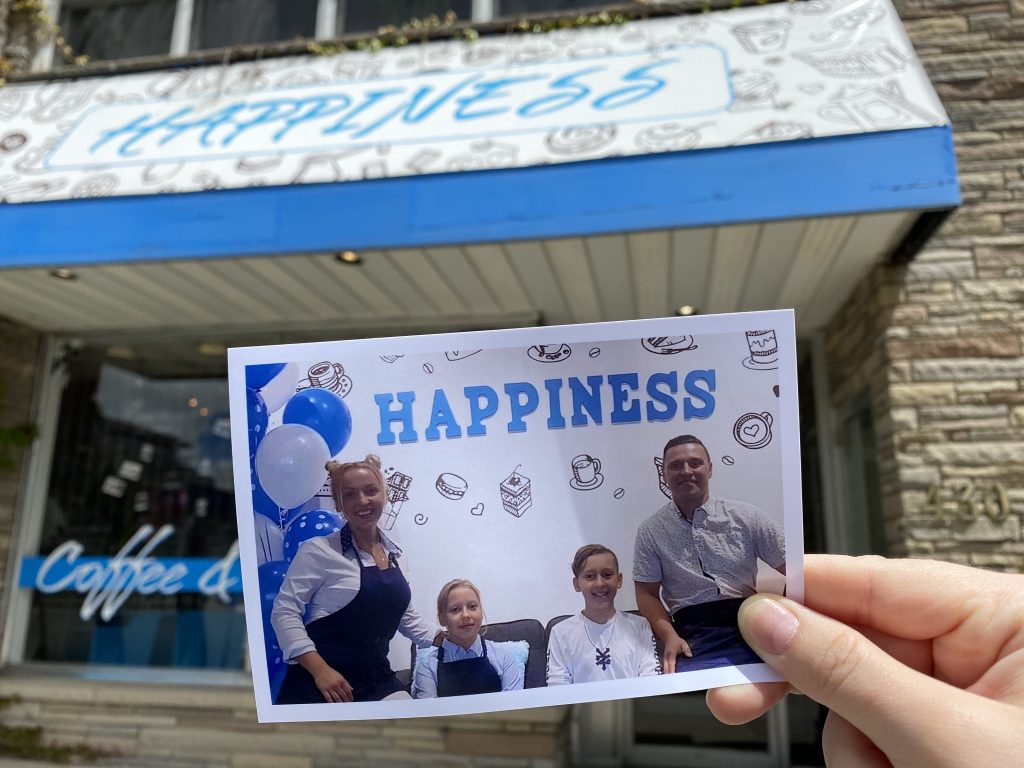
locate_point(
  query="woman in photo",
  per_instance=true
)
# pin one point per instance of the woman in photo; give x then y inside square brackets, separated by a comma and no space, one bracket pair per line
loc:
[343,599]
[465,663]
[599,643]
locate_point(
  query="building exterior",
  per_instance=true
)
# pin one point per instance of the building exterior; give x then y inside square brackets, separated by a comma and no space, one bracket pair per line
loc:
[912,408]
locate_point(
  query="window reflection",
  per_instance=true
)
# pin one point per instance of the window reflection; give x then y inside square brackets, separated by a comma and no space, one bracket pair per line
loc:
[363,16]
[683,720]
[516,7]
[134,448]
[112,30]
[220,23]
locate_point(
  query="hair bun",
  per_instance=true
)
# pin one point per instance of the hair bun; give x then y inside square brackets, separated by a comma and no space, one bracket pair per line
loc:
[373,460]
[332,466]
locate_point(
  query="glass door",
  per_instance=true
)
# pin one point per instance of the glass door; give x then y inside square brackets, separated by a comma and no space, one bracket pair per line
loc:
[679,730]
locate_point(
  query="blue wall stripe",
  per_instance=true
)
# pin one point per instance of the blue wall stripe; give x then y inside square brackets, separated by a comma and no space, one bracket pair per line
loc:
[897,170]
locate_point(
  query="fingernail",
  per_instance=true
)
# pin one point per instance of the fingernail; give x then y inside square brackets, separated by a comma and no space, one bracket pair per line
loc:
[770,625]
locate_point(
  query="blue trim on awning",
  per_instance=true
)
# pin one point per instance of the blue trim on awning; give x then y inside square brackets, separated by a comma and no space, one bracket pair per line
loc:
[897,170]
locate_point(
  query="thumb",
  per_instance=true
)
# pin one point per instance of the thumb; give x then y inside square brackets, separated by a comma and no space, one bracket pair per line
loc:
[896,707]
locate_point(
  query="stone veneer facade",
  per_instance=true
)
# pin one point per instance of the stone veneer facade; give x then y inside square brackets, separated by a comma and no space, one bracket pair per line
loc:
[937,343]
[19,361]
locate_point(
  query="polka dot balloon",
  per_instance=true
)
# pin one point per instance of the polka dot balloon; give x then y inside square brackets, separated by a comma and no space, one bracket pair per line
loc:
[309,525]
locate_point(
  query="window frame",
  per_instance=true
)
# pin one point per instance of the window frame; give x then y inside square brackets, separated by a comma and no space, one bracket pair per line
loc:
[328,13]
[29,520]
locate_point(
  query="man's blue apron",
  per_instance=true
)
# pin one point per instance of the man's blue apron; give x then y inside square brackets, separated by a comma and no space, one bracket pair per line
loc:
[712,632]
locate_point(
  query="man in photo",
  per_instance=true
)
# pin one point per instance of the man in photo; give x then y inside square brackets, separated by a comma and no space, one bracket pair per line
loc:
[699,554]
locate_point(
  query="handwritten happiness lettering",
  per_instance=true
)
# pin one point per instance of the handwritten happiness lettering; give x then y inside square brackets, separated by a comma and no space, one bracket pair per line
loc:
[440,106]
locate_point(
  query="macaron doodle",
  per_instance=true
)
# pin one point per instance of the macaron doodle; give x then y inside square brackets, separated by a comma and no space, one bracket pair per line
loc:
[451,486]
[549,353]
[669,345]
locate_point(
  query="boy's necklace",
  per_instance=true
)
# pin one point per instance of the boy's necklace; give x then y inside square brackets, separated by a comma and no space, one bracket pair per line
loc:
[602,656]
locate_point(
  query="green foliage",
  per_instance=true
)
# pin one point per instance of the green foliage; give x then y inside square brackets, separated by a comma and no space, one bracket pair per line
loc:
[13,440]
[27,743]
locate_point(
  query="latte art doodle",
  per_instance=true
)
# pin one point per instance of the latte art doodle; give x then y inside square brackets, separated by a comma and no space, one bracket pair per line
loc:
[580,140]
[753,430]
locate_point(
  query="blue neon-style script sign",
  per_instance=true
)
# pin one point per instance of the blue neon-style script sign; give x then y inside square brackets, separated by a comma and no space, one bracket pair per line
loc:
[686,81]
[106,582]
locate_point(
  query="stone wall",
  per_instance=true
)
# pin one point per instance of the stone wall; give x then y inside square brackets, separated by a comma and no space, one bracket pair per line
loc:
[176,726]
[19,360]
[939,343]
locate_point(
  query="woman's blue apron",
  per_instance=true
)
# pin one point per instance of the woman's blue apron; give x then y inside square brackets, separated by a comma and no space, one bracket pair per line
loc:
[354,640]
[712,632]
[466,676]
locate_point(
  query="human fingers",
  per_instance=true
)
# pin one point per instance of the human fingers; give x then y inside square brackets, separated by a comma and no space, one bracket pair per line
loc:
[1004,680]
[330,695]
[909,716]
[668,661]
[684,648]
[843,745]
[971,619]
[906,598]
[345,689]
[738,704]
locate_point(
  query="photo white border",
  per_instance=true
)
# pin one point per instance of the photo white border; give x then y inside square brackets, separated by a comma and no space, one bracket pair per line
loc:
[783,321]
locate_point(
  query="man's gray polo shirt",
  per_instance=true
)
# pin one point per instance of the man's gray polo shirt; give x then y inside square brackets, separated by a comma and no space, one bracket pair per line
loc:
[712,558]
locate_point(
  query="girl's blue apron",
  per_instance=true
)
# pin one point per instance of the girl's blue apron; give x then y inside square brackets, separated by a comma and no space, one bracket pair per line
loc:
[466,676]
[354,640]
[712,632]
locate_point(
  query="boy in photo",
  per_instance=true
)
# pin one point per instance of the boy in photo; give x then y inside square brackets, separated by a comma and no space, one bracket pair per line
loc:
[599,643]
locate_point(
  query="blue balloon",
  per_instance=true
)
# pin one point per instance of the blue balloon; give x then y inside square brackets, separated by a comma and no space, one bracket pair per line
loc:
[257,421]
[309,525]
[291,515]
[271,577]
[322,411]
[261,503]
[257,376]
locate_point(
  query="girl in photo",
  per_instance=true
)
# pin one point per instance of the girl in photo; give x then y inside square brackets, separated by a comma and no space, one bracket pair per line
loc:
[465,663]
[599,643]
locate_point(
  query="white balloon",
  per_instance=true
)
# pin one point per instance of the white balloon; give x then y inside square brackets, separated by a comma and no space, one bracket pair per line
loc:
[290,464]
[269,541]
[279,390]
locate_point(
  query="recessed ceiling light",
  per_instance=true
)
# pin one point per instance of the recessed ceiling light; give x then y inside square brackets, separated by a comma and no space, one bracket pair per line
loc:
[686,311]
[62,273]
[348,257]
[211,349]
[121,353]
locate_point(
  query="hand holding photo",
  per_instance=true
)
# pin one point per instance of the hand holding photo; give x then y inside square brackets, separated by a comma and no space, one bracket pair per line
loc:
[381,601]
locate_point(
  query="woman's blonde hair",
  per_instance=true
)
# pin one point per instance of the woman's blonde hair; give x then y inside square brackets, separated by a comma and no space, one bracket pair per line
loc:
[337,469]
[446,590]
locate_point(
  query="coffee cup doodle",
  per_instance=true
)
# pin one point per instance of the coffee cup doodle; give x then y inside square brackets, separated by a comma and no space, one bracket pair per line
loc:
[327,375]
[586,473]
[753,430]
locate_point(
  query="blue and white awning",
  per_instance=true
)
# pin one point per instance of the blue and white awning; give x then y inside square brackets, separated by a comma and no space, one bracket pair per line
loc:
[803,110]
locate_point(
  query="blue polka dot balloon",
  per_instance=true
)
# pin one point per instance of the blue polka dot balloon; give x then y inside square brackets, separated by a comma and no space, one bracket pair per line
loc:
[256,410]
[309,525]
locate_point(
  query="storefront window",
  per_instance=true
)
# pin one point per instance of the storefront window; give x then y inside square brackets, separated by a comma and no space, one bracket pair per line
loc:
[141,467]
[118,30]
[362,16]
[517,7]
[220,23]
[683,720]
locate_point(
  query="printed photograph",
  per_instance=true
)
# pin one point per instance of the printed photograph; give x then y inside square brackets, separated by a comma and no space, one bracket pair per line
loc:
[486,521]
